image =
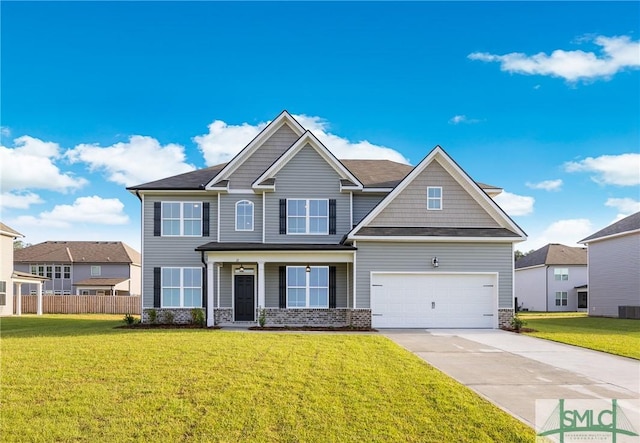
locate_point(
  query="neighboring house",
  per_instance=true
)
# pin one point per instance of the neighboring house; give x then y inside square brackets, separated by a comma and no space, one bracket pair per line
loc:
[9,277]
[614,267]
[287,228]
[81,267]
[553,278]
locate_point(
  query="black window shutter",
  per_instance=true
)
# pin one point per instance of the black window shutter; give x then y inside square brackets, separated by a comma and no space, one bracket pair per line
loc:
[283,287]
[332,216]
[283,216]
[332,286]
[157,222]
[205,219]
[157,287]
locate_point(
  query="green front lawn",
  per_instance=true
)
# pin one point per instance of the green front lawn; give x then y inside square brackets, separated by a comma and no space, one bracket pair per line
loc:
[612,335]
[75,378]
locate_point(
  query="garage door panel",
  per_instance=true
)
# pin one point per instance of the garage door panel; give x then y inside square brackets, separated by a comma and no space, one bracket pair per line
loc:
[433,300]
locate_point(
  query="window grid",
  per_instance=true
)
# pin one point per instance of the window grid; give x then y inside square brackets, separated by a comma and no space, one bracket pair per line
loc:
[96,271]
[181,287]
[561,298]
[308,216]
[307,289]
[561,274]
[244,215]
[3,293]
[434,198]
[181,219]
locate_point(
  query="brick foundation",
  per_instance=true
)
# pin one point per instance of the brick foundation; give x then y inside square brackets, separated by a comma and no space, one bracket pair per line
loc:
[359,318]
[222,316]
[339,317]
[504,317]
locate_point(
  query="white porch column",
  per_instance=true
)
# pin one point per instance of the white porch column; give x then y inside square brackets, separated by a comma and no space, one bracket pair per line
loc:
[261,294]
[210,267]
[19,299]
[39,306]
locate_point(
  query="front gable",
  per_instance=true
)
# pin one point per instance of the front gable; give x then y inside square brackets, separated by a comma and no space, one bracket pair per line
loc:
[261,152]
[465,210]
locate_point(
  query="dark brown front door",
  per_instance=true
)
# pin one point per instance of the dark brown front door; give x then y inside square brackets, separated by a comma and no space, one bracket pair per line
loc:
[243,299]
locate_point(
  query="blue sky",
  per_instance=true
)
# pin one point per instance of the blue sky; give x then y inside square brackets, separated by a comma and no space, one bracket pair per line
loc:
[541,99]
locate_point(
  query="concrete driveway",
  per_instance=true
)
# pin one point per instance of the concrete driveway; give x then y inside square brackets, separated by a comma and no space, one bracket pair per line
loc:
[513,370]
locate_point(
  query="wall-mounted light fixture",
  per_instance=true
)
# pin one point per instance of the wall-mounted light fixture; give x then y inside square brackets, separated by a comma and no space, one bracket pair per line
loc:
[308,268]
[241,268]
[434,262]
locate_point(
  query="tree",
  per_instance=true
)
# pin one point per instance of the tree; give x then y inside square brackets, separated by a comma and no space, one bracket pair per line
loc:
[19,244]
[519,254]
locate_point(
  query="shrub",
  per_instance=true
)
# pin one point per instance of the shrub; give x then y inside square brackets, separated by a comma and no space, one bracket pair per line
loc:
[197,317]
[129,319]
[153,315]
[517,323]
[169,317]
[262,317]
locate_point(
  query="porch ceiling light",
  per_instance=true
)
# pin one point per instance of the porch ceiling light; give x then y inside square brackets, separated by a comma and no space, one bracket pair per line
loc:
[241,269]
[308,268]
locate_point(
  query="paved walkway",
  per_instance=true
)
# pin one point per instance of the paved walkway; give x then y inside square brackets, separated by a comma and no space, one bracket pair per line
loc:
[513,370]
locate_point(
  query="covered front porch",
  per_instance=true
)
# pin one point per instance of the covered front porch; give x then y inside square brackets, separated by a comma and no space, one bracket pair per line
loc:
[288,284]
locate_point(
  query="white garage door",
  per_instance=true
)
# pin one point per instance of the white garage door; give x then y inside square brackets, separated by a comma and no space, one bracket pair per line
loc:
[410,300]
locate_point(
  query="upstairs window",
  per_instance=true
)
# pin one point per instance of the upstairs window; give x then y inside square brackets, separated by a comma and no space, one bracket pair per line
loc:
[308,216]
[434,198]
[244,215]
[3,293]
[96,271]
[561,274]
[182,219]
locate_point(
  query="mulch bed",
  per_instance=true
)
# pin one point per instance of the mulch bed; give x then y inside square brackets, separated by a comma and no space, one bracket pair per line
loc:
[521,330]
[312,328]
[164,326]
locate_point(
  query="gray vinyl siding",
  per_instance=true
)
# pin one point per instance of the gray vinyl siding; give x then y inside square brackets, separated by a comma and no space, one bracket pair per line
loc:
[307,175]
[225,286]
[262,158]
[614,274]
[416,257]
[172,251]
[363,204]
[577,277]
[272,283]
[409,208]
[228,231]
[531,288]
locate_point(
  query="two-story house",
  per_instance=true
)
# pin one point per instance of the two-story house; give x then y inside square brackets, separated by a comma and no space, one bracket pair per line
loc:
[287,228]
[81,267]
[552,278]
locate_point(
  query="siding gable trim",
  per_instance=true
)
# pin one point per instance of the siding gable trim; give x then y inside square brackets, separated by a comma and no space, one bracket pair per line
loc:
[307,138]
[476,193]
[247,151]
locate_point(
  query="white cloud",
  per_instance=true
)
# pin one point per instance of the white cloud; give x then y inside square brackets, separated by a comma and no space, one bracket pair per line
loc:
[31,165]
[514,204]
[457,119]
[625,206]
[4,131]
[547,185]
[19,200]
[616,54]
[224,141]
[567,232]
[93,210]
[621,170]
[141,159]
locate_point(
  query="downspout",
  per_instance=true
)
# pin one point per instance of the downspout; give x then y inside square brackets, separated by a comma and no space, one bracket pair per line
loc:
[205,284]
[546,287]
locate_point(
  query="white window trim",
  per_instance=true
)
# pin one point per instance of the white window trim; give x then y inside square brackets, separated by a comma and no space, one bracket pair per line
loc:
[438,199]
[182,218]
[182,287]
[307,287]
[252,215]
[557,276]
[99,271]
[307,216]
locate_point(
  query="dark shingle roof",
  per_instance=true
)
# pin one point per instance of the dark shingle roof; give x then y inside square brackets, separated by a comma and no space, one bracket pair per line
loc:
[78,252]
[553,254]
[435,232]
[189,180]
[630,223]
[371,173]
